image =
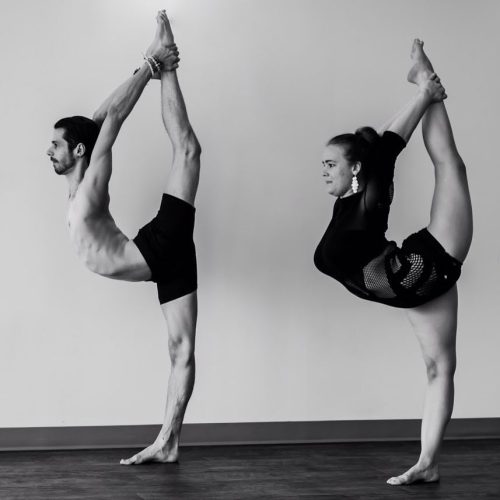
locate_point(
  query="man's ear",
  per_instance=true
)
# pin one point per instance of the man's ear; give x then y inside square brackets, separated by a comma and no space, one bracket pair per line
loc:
[80,150]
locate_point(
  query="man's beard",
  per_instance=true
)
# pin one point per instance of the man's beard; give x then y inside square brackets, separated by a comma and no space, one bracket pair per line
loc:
[60,169]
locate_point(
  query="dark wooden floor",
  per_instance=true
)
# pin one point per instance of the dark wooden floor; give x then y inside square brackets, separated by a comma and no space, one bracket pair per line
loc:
[470,470]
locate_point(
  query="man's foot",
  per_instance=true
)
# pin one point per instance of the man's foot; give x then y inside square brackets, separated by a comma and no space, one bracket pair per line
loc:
[163,36]
[417,474]
[165,31]
[162,47]
[153,453]
[422,67]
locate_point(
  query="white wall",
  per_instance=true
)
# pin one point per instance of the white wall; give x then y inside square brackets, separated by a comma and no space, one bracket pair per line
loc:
[266,84]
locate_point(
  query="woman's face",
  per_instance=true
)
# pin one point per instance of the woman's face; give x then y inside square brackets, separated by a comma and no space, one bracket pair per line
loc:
[337,171]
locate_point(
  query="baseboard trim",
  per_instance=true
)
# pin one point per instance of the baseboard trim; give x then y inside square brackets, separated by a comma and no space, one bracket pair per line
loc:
[130,436]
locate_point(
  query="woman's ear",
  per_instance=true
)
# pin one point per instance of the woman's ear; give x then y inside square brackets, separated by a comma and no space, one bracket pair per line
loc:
[356,168]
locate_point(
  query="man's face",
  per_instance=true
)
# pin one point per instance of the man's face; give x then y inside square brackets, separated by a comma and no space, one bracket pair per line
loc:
[60,154]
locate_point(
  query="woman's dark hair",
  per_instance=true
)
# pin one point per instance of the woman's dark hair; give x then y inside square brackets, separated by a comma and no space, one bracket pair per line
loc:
[78,129]
[357,146]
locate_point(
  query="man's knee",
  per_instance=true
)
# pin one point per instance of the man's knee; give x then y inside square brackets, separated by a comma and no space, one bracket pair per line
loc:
[189,146]
[181,351]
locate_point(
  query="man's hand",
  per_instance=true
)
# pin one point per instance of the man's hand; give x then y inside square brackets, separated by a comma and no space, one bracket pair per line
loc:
[168,57]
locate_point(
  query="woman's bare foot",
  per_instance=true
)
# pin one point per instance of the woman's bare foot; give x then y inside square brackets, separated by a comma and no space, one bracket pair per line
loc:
[417,474]
[422,67]
[153,453]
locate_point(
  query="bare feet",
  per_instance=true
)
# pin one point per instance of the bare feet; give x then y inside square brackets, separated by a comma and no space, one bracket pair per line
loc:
[162,47]
[154,453]
[165,31]
[422,67]
[417,474]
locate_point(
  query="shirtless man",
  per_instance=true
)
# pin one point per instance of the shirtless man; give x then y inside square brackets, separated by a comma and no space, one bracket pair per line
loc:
[163,251]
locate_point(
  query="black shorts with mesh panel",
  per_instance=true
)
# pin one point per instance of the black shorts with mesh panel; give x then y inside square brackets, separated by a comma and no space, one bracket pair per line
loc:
[167,246]
[406,277]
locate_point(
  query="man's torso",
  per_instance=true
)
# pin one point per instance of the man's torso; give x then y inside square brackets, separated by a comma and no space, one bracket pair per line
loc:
[99,242]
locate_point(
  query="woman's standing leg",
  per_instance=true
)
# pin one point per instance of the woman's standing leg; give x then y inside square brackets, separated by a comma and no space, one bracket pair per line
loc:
[435,325]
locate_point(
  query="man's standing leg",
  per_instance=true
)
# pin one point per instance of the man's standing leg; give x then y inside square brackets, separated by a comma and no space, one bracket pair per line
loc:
[180,314]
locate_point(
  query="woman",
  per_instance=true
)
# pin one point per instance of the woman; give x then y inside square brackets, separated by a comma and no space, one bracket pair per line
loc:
[421,275]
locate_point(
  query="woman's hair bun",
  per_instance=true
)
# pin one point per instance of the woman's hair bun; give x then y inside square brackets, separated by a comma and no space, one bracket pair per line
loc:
[367,134]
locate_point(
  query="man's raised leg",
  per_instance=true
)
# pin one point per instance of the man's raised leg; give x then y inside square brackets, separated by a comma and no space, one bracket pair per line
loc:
[183,177]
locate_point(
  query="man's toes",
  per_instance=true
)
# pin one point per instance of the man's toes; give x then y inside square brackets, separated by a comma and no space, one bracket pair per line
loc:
[165,18]
[397,480]
[128,461]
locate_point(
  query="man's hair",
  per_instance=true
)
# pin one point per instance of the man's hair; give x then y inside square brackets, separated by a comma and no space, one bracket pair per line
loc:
[78,129]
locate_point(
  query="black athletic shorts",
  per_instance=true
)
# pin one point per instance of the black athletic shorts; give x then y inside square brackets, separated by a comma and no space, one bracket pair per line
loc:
[427,269]
[407,277]
[167,245]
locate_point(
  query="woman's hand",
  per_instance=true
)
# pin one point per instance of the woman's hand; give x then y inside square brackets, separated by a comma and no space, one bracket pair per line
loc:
[433,88]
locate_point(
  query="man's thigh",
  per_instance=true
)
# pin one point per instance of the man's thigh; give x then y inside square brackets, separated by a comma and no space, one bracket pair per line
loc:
[181,315]
[183,178]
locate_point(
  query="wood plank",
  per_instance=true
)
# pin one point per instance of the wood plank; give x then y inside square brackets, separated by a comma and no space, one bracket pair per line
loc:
[470,470]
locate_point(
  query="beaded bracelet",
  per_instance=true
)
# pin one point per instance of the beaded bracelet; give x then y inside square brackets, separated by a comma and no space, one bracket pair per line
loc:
[154,65]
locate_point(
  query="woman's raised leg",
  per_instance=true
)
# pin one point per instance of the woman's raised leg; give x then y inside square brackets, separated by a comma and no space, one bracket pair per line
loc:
[451,211]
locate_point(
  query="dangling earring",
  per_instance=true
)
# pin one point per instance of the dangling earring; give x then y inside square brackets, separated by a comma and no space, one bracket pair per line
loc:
[354,183]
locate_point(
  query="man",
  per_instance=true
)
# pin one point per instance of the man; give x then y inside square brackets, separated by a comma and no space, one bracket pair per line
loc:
[163,251]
